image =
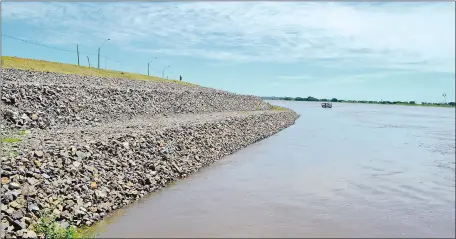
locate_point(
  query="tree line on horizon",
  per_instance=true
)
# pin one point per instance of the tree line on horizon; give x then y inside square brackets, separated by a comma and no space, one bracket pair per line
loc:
[310,98]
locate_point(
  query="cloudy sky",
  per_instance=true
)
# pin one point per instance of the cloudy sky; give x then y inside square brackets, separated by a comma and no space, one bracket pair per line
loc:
[372,51]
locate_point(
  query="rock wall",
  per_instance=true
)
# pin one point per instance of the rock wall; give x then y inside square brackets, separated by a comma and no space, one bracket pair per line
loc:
[49,100]
[81,171]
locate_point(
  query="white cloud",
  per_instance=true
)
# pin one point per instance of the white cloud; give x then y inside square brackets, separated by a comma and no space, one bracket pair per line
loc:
[410,36]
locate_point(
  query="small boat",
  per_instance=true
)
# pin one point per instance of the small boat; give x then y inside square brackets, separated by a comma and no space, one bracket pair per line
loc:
[326,105]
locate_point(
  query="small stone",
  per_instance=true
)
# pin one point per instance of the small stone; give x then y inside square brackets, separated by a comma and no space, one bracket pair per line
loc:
[69,203]
[100,193]
[32,181]
[76,164]
[27,220]
[66,215]
[56,212]
[33,207]
[37,163]
[20,233]
[14,204]
[64,224]
[80,154]
[16,193]
[8,196]
[73,150]
[64,154]
[5,180]
[13,186]
[19,225]
[34,116]
[30,234]
[9,211]
[17,215]
[39,154]
[93,185]
[5,225]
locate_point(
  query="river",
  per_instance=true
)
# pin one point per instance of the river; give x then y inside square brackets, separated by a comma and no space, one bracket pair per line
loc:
[355,170]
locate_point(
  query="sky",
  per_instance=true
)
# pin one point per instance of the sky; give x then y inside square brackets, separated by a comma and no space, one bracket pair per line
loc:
[361,51]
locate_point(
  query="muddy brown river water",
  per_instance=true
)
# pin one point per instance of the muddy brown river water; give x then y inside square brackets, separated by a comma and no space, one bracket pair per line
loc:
[354,170]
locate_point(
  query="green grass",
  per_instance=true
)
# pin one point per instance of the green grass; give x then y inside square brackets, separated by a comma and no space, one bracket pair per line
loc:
[13,154]
[24,132]
[11,140]
[47,66]
[52,230]
[278,108]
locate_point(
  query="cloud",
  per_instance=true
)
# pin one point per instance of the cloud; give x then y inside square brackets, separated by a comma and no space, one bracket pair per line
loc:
[399,36]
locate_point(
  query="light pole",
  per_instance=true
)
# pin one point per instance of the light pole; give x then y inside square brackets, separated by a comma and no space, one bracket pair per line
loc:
[163,72]
[148,65]
[99,52]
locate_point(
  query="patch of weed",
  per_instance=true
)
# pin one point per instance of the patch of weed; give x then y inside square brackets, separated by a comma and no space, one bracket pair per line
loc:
[11,140]
[52,230]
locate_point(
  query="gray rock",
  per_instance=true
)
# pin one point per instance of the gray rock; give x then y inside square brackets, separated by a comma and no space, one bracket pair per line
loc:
[14,186]
[32,181]
[39,154]
[17,215]
[9,211]
[30,234]
[81,155]
[64,224]
[21,233]
[33,207]
[14,204]
[101,193]
[76,164]
[8,197]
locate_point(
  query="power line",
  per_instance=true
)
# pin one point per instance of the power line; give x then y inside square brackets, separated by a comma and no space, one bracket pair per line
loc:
[39,44]
[56,48]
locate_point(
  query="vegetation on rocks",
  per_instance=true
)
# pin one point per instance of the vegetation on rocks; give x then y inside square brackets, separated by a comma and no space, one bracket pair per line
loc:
[11,140]
[48,226]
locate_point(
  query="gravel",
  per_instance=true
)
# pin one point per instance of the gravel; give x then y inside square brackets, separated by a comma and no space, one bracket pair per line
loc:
[98,144]
[50,100]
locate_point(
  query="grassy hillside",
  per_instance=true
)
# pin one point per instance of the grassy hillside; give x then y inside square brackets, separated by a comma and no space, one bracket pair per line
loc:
[47,66]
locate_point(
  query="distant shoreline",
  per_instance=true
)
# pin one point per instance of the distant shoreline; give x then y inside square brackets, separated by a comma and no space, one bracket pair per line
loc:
[410,103]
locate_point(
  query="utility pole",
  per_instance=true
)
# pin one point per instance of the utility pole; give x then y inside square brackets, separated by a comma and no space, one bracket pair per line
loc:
[163,72]
[149,64]
[99,52]
[88,60]
[77,50]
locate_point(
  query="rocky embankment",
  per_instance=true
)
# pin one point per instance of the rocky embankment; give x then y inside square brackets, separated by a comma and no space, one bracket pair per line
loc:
[94,145]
